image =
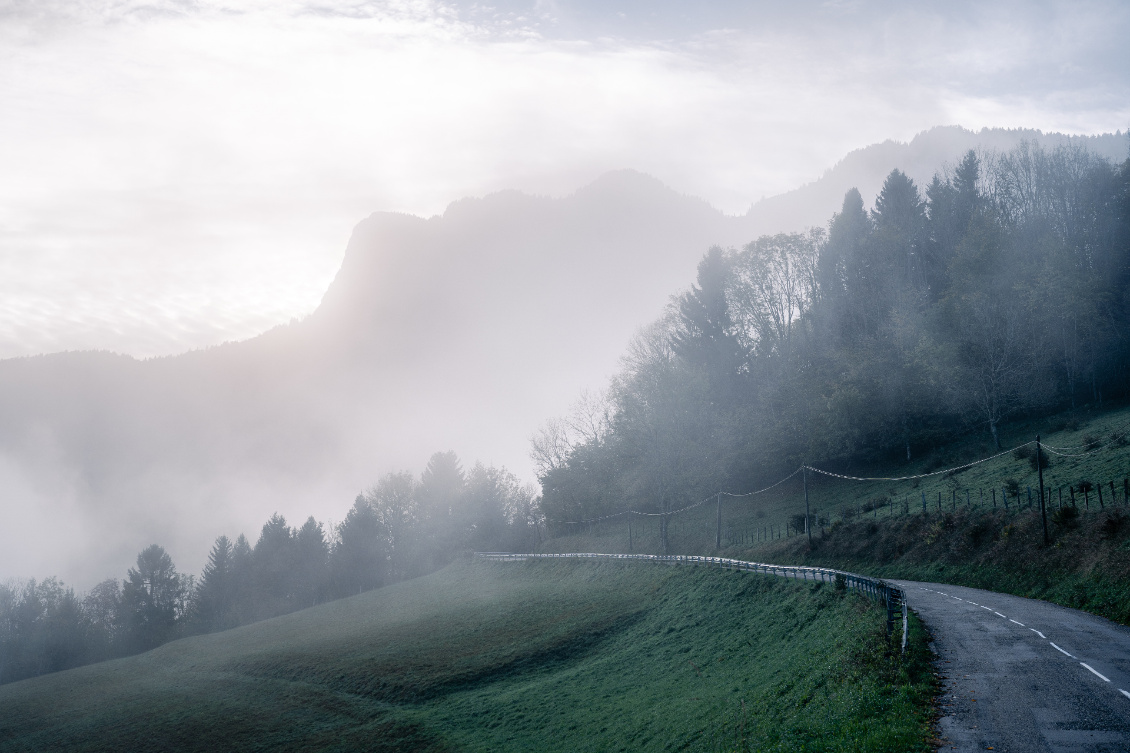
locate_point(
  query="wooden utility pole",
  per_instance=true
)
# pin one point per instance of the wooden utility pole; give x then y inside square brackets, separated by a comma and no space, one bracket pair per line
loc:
[1040,471]
[807,527]
[718,533]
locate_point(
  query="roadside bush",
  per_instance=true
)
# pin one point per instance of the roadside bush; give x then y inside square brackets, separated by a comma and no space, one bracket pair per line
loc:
[1065,423]
[1065,517]
[875,502]
[1112,527]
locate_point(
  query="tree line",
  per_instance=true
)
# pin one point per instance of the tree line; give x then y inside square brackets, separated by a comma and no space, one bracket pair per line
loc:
[400,528]
[999,291]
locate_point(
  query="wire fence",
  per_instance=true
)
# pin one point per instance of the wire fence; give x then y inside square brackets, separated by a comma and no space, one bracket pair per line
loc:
[741,528]
[886,594]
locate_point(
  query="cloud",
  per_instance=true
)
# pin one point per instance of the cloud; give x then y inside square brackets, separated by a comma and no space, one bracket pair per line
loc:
[182,172]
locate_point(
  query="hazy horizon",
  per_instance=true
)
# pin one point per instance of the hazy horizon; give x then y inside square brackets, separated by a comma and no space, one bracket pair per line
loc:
[180,174]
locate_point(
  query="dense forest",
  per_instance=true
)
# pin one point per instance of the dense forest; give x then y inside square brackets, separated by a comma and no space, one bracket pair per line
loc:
[400,528]
[998,292]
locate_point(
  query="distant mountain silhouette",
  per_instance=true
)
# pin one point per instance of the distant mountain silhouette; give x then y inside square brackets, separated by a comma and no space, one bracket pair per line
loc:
[463,331]
[867,168]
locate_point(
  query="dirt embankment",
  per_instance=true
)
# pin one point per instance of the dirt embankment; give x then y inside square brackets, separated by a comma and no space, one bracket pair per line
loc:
[1085,565]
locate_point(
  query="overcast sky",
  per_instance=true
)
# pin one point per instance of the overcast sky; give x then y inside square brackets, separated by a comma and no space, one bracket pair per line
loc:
[179,173]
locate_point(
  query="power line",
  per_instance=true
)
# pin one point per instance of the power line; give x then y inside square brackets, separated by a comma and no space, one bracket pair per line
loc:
[920,475]
[1053,450]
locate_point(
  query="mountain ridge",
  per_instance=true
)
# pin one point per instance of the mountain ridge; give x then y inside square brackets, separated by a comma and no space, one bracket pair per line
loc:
[460,331]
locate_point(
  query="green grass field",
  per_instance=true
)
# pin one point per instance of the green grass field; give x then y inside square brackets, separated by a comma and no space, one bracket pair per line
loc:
[547,656]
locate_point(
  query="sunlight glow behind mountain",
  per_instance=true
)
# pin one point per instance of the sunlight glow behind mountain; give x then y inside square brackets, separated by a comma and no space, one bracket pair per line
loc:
[179,174]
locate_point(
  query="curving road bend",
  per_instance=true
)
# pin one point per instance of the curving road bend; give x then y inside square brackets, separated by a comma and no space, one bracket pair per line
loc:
[1021,675]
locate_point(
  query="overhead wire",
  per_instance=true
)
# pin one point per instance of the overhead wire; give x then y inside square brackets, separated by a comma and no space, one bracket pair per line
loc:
[920,475]
[1053,450]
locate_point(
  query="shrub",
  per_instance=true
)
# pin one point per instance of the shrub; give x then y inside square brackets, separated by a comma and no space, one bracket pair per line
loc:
[1065,423]
[797,522]
[1113,525]
[1065,517]
[875,502]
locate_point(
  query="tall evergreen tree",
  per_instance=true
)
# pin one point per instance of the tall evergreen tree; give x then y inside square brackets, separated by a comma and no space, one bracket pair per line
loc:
[274,567]
[359,561]
[311,564]
[151,596]
[216,593]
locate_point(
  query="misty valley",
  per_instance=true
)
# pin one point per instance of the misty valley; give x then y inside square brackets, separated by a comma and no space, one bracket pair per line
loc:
[925,380]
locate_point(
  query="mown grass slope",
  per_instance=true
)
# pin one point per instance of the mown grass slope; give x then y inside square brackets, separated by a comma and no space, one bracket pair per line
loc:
[510,656]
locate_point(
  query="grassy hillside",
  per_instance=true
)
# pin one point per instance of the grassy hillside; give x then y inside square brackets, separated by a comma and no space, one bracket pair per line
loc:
[1086,565]
[751,523]
[510,656]
[878,527]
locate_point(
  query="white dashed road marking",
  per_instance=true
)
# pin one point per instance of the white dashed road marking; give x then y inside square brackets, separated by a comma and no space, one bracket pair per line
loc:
[1088,667]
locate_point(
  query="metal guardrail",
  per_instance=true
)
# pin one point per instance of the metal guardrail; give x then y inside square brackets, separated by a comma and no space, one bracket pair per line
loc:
[881,591]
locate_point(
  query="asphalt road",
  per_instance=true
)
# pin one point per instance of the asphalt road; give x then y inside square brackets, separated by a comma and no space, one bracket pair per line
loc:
[1023,675]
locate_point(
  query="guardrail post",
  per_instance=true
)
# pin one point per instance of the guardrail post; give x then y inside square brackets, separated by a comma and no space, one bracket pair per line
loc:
[904,626]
